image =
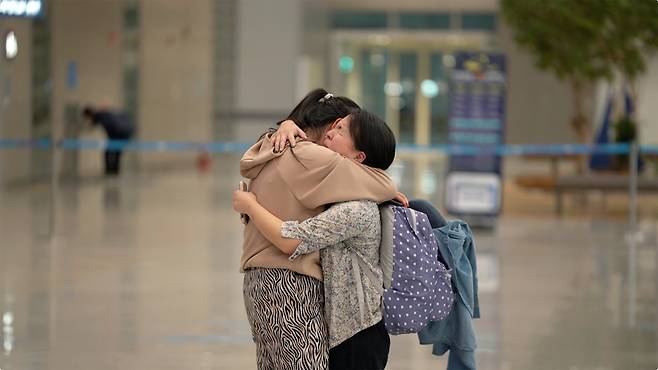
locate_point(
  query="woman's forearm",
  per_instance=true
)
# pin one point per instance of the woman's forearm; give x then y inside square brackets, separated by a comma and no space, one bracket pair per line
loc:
[270,226]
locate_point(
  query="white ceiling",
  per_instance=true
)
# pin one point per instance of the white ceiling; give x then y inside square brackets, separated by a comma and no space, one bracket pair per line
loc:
[412,5]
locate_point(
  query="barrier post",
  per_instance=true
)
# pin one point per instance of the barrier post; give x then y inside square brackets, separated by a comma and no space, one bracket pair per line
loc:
[633,183]
[52,220]
[632,234]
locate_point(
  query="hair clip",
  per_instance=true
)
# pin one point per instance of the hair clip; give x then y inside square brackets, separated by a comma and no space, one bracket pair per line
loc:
[326,97]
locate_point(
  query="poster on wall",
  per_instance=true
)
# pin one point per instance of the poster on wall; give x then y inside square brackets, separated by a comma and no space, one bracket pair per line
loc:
[476,126]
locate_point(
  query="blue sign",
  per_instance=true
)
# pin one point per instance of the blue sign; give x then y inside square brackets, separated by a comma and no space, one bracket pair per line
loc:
[22,8]
[477,118]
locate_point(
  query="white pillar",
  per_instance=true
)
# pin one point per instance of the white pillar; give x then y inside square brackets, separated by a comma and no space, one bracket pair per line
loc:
[268,52]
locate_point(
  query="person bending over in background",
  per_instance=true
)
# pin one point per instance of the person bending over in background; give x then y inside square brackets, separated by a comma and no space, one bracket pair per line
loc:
[117,126]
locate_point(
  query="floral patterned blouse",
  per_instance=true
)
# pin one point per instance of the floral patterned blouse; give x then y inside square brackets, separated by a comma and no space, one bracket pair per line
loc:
[348,235]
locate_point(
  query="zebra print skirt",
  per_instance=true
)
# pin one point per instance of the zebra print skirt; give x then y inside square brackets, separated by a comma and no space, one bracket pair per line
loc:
[286,313]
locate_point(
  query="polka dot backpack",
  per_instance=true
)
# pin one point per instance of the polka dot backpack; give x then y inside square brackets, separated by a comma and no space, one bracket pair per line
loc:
[417,287]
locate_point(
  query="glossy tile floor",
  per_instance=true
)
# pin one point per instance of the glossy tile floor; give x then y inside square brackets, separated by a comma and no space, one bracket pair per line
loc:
[142,273]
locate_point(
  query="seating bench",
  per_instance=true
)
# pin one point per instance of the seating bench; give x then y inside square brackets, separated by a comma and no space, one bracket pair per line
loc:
[602,182]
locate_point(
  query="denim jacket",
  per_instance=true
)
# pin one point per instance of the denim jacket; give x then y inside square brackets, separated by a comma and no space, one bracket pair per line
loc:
[456,332]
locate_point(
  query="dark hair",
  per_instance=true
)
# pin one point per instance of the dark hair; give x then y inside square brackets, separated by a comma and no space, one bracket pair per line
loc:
[88,111]
[372,136]
[316,110]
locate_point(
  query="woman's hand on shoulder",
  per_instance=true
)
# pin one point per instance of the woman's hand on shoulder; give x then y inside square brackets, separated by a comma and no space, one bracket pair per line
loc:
[243,201]
[402,199]
[286,133]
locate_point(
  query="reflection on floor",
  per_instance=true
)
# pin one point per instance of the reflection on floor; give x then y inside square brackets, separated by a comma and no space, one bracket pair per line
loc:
[142,274]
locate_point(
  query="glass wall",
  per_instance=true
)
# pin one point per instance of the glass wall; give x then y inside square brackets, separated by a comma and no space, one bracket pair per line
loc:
[407,103]
[130,53]
[437,91]
[373,78]
[397,65]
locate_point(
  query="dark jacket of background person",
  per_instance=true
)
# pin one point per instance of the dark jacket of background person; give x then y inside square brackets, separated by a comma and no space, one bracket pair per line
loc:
[456,332]
[118,126]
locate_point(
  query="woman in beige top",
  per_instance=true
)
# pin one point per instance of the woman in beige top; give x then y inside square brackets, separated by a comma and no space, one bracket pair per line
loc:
[284,299]
[348,234]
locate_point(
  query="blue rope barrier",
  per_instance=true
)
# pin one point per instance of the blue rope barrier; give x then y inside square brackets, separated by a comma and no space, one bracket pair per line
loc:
[519,149]
[649,149]
[241,147]
[24,143]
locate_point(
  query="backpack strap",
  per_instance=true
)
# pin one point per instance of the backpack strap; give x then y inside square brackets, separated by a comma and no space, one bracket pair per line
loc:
[386,244]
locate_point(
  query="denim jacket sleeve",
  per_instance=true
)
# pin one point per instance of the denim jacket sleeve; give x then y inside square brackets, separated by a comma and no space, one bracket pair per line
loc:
[456,333]
[457,247]
[469,246]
